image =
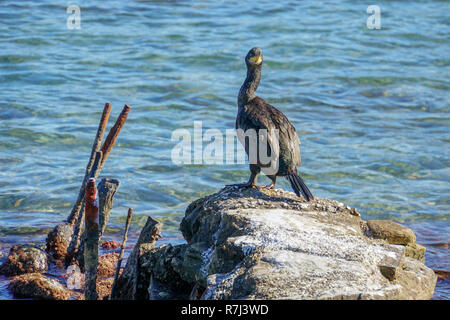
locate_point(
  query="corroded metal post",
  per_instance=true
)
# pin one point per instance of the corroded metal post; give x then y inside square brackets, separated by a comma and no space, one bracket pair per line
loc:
[106,190]
[95,148]
[76,237]
[113,133]
[95,166]
[64,240]
[91,241]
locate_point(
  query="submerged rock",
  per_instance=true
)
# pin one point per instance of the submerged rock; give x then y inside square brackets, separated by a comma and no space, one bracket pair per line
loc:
[32,260]
[38,286]
[26,258]
[269,244]
[110,245]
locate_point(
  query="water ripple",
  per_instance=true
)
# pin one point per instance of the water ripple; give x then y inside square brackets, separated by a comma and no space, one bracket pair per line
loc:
[371,106]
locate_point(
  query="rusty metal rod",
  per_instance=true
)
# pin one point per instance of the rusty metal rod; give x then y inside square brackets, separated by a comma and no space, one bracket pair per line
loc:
[76,237]
[122,250]
[91,242]
[113,133]
[106,189]
[73,217]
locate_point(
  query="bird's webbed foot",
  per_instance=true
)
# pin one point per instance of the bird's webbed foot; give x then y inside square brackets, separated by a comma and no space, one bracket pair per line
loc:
[272,185]
[243,185]
[250,184]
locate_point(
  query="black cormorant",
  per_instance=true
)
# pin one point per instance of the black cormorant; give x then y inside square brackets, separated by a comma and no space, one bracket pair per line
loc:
[255,113]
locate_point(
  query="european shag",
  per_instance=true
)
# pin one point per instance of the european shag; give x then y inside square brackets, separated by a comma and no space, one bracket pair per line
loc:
[255,113]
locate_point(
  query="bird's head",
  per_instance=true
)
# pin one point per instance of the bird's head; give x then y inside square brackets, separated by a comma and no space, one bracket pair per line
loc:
[254,57]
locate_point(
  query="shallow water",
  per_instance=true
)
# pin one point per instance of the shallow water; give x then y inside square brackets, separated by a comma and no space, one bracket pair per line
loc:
[371,106]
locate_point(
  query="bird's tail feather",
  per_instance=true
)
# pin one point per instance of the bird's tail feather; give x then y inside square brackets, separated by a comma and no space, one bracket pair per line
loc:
[299,186]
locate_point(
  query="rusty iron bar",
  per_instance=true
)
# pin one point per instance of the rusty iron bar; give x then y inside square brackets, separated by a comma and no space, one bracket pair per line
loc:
[122,250]
[91,241]
[73,217]
[113,134]
[76,237]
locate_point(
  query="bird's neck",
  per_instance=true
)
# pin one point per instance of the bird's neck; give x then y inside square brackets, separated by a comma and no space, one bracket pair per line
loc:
[248,88]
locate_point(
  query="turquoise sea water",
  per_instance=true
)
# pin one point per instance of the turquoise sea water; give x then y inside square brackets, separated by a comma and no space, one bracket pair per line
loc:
[371,106]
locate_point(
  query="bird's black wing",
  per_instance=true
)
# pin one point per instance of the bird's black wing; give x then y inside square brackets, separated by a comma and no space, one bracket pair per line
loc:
[255,116]
[264,114]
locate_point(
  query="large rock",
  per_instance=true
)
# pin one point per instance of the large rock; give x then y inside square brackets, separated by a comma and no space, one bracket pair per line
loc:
[25,258]
[38,286]
[270,244]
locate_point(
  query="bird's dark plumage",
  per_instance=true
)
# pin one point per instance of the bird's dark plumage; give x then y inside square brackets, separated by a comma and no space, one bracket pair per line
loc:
[255,113]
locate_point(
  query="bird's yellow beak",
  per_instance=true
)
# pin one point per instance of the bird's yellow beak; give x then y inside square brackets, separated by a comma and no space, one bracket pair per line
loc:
[257,59]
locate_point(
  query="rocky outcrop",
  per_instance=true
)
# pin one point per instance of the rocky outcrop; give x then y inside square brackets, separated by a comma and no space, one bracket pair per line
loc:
[26,258]
[133,283]
[270,244]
